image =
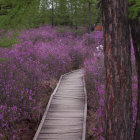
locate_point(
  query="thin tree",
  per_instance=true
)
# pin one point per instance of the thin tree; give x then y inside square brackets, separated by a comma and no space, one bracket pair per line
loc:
[90,24]
[118,92]
[52,13]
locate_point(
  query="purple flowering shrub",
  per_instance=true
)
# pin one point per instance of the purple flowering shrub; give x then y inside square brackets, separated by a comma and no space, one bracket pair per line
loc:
[94,71]
[41,55]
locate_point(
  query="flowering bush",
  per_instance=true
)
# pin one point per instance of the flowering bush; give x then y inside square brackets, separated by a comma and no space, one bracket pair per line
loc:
[94,71]
[41,55]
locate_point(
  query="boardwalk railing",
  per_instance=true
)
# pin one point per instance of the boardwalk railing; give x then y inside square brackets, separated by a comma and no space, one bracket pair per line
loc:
[67,104]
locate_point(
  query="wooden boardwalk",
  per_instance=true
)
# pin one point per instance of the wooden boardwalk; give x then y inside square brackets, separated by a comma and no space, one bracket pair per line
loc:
[65,115]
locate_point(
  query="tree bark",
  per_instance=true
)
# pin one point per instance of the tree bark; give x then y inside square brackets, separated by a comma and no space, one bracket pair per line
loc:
[90,24]
[135,32]
[117,59]
[52,14]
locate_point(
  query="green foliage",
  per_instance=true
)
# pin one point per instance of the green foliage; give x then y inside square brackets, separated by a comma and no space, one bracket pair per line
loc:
[21,14]
[3,60]
[134,9]
[8,41]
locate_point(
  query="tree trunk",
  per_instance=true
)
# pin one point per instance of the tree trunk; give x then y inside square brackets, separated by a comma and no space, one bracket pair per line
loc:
[52,15]
[90,24]
[135,32]
[76,24]
[118,92]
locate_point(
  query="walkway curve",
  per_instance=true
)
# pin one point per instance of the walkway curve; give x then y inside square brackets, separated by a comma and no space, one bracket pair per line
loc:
[65,115]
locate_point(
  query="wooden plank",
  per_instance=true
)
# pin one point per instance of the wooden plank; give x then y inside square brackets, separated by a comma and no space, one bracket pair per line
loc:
[71,85]
[68,107]
[64,127]
[79,101]
[65,115]
[67,102]
[59,139]
[69,135]
[73,94]
[65,84]
[67,119]
[62,122]
[70,90]
[66,111]
[69,96]
[54,117]
[71,80]
[59,131]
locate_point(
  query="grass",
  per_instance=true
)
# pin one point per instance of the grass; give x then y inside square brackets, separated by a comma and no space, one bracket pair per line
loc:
[61,29]
[8,41]
[3,59]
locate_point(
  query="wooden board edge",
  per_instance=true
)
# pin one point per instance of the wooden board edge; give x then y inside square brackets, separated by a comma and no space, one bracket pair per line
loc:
[46,111]
[85,111]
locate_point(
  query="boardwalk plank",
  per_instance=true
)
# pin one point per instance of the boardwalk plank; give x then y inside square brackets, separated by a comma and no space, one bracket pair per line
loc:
[59,139]
[64,123]
[68,135]
[59,131]
[65,115]
[67,119]
[69,96]
[64,127]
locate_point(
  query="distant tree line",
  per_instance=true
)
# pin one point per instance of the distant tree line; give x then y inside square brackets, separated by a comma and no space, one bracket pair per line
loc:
[33,13]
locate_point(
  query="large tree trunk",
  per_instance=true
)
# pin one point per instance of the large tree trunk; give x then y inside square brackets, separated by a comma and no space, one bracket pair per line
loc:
[118,92]
[90,24]
[135,32]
